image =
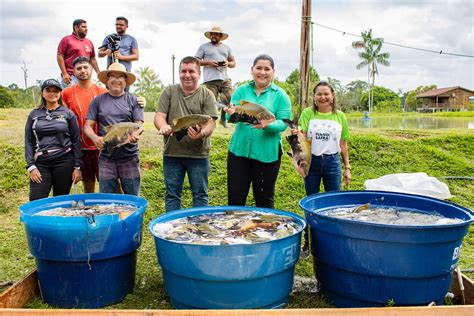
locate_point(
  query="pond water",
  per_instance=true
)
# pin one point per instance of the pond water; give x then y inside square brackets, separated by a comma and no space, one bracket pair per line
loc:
[412,122]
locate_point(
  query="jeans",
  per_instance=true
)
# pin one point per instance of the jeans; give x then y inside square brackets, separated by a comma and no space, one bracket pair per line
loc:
[326,168]
[73,81]
[174,170]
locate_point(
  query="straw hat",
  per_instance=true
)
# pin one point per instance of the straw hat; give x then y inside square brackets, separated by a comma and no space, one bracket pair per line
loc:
[116,67]
[216,29]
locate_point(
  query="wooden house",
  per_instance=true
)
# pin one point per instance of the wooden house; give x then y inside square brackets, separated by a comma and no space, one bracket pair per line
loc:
[445,99]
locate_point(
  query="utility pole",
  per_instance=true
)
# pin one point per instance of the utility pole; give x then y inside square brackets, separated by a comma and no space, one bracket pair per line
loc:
[25,75]
[304,53]
[172,63]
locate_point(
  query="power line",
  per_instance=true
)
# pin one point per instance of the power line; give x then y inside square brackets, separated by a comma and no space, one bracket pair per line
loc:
[441,52]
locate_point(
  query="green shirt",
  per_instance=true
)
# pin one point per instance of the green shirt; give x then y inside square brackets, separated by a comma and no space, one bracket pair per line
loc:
[175,104]
[325,130]
[260,144]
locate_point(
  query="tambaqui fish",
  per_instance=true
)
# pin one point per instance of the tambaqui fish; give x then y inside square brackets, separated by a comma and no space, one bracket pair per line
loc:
[181,125]
[119,134]
[250,113]
[361,208]
[300,150]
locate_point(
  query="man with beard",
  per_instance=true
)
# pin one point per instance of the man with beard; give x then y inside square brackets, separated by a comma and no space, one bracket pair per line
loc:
[128,46]
[216,57]
[78,98]
[72,46]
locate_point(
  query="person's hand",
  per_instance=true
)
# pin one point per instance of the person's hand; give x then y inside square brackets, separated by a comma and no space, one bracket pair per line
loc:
[294,131]
[213,63]
[194,132]
[166,130]
[99,142]
[76,175]
[108,52]
[135,136]
[35,176]
[263,123]
[66,78]
[230,109]
[118,56]
[141,101]
[347,177]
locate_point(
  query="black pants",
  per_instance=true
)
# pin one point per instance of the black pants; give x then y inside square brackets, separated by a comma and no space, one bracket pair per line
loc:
[242,171]
[56,173]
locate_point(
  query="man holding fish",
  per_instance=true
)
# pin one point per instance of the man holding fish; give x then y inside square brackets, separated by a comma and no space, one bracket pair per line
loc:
[186,117]
[78,98]
[120,120]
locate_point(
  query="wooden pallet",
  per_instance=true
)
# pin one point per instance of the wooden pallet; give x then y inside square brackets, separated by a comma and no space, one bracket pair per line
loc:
[21,292]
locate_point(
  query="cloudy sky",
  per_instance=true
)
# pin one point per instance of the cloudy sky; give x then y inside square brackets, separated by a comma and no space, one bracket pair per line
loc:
[31,30]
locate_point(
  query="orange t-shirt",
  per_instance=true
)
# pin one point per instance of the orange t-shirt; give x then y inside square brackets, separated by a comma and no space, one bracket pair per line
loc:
[78,100]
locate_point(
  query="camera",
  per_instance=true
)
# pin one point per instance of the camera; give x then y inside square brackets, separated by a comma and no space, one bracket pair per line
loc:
[221,63]
[112,41]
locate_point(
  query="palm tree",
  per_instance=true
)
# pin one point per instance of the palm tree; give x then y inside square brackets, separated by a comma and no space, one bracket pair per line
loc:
[371,56]
[148,85]
[147,80]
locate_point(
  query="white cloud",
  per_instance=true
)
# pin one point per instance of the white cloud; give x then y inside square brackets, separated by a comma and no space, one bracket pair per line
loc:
[31,30]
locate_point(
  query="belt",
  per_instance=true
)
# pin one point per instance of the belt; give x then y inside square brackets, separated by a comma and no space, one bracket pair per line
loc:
[49,151]
[326,155]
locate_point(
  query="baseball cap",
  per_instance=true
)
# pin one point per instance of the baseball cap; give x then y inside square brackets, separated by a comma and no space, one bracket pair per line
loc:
[51,83]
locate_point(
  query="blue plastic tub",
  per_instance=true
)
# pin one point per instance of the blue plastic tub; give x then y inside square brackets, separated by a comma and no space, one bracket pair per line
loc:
[84,262]
[228,276]
[364,264]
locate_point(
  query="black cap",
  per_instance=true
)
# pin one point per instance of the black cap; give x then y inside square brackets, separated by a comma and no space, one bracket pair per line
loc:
[51,83]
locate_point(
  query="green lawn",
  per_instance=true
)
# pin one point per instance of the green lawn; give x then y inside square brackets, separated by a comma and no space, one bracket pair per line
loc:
[373,153]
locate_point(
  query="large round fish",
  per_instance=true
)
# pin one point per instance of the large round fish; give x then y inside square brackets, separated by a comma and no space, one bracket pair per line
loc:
[300,150]
[181,125]
[119,134]
[250,113]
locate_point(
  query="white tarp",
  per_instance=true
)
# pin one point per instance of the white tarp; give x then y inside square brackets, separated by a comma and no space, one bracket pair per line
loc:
[413,183]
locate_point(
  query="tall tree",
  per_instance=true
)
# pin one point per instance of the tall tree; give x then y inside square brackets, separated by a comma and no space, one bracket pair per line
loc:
[371,56]
[148,85]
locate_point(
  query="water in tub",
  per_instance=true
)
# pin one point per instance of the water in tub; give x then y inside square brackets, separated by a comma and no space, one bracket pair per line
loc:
[231,227]
[389,215]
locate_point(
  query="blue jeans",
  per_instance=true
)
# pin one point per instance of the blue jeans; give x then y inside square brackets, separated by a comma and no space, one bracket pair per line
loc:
[174,170]
[73,81]
[326,168]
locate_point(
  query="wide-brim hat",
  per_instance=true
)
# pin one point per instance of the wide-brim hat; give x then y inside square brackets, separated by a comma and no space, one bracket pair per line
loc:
[116,67]
[216,29]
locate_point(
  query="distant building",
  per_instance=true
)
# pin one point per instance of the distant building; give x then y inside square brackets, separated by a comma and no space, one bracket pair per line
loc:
[445,99]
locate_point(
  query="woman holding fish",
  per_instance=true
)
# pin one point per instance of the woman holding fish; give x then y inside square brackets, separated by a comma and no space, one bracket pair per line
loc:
[255,148]
[52,145]
[327,129]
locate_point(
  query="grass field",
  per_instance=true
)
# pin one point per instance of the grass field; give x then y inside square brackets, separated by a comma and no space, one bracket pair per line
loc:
[373,153]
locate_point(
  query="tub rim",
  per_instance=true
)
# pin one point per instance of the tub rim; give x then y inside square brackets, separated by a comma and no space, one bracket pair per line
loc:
[317,213]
